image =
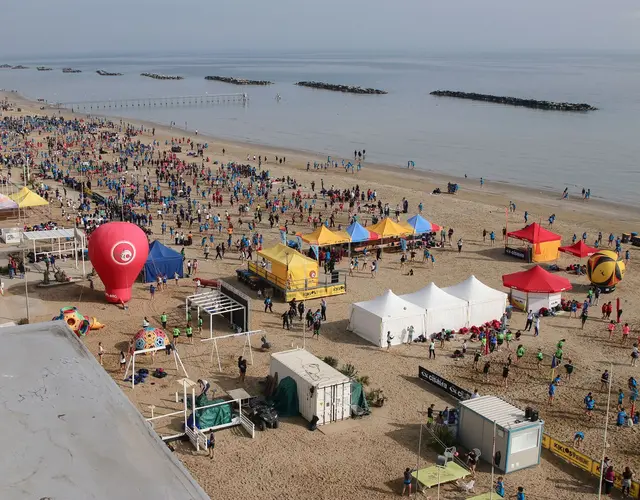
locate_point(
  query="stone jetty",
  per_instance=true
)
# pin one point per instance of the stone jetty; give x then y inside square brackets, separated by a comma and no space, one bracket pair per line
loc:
[43,68]
[515,101]
[350,89]
[237,81]
[107,73]
[5,66]
[71,70]
[156,76]
[19,66]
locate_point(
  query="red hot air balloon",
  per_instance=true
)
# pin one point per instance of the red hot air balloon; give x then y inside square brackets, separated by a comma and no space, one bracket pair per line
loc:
[118,250]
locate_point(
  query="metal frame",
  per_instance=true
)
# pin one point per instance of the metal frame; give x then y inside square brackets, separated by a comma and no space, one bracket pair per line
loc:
[132,362]
[214,303]
[247,343]
[76,235]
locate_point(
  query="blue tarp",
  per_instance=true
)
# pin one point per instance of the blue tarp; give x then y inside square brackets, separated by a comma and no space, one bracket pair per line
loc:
[163,261]
[419,224]
[358,233]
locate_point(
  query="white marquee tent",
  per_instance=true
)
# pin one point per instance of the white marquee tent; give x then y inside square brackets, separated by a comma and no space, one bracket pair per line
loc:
[485,303]
[443,310]
[372,319]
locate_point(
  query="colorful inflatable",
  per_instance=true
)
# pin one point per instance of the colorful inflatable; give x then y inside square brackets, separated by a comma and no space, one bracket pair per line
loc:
[605,270]
[150,337]
[118,250]
[76,321]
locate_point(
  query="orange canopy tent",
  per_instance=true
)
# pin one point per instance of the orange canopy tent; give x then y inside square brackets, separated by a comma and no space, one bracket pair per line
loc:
[545,242]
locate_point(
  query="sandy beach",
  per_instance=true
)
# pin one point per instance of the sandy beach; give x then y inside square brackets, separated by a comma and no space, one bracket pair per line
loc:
[365,458]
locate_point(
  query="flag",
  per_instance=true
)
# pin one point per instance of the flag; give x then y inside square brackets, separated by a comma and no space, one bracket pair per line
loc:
[283,236]
[316,251]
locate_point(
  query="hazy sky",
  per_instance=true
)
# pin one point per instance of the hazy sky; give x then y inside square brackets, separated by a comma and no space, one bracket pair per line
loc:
[65,27]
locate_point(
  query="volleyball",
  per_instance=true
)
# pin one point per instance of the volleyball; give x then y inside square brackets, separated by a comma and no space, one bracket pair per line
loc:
[604,269]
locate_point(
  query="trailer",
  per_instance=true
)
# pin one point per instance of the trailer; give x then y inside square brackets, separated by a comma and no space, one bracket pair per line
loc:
[323,391]
[518,436]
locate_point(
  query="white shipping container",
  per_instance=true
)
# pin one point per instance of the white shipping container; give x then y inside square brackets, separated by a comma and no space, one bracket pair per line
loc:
[322,390]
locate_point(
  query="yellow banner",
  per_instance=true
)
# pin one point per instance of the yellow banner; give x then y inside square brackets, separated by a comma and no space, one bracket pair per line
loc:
[315,293]
[545,441]
[571,455]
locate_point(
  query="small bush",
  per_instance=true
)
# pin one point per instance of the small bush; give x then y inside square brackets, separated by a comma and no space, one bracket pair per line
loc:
[331,361]
[349,370]
[445,435]
[363,379]
[23,321]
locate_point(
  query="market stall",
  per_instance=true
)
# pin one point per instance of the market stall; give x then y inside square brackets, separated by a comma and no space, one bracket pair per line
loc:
[541,244]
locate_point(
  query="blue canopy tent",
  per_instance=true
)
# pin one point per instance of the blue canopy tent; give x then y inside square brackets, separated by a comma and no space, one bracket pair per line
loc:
[419,224]
[358,233]
[162,260]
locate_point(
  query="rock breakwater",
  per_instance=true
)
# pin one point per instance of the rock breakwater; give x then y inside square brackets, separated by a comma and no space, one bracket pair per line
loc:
[107,73]
[350,89]
[516,101]
[237,81]
[156,76]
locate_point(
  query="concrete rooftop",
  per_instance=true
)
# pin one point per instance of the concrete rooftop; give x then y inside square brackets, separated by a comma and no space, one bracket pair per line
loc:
[68,432]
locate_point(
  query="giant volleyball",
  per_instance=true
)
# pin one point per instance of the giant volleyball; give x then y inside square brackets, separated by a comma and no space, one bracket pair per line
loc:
[605,270]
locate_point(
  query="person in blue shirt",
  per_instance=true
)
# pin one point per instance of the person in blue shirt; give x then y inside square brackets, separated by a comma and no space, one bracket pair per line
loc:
[620,397]
[520,495]
[552,392]
[627,257]
[526,216]
[589,404]
[574,238]
[578,438]
[500,486]
[621,419]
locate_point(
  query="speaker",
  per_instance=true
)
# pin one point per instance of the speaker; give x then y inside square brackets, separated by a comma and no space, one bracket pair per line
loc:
[626,237]
[534,415]
[527,413]
[335,277]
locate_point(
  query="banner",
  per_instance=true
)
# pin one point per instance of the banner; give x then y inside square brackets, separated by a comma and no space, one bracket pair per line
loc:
[445,385]
[571,455]
[283,237]
[518,253]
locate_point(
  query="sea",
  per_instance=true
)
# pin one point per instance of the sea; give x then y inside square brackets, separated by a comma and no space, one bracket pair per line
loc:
[550,150]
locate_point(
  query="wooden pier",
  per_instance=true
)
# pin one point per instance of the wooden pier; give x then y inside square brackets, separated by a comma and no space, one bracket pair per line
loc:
[157,102]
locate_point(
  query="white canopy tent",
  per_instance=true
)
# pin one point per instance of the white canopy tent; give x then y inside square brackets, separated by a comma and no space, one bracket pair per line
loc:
[443,310]
[372,319]
[485,303]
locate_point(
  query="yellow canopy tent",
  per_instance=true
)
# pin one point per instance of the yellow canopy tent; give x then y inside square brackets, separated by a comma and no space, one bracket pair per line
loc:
[25,198]
[386,228]
[290,268]
[323,236]
[343,235]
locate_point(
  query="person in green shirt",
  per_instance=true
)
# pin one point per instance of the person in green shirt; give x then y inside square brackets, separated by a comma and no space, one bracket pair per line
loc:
[540,357]
[176,334]
[519,352]
[560,343]
[559,354]
[189,331]
[500,339]
[509,338]
[163,319]
[200,324]
[188,317]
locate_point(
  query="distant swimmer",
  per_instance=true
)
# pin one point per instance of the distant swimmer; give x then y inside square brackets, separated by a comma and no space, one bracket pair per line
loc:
[278,97]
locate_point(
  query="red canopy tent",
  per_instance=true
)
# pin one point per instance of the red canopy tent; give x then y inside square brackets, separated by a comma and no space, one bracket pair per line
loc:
[579,249]
[544,241]
[535,289]
[534,233]
[536,280]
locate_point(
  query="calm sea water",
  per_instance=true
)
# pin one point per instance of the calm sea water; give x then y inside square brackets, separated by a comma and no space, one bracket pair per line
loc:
[598,150]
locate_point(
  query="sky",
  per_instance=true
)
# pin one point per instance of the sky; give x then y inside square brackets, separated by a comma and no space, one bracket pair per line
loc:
[70,27]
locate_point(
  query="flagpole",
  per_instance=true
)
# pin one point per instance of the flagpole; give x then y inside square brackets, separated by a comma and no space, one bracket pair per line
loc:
[606,427]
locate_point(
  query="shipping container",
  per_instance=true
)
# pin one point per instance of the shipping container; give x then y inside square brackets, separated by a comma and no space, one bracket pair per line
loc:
[323,391]
[518,439]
